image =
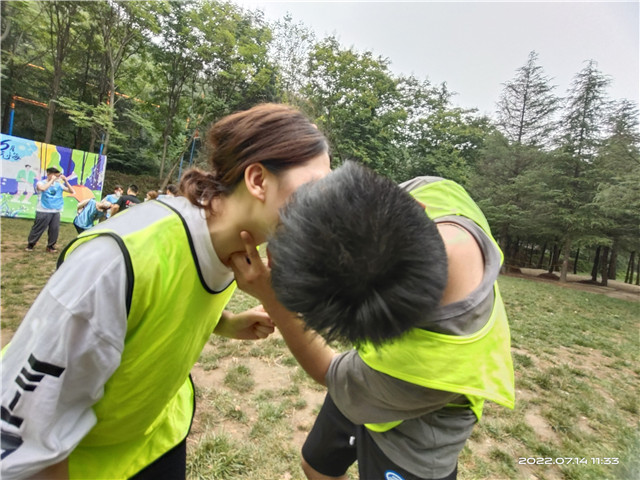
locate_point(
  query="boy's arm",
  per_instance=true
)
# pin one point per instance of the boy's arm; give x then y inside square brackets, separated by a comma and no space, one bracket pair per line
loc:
[82,204]
[67,186]
[307,346]
[45,184]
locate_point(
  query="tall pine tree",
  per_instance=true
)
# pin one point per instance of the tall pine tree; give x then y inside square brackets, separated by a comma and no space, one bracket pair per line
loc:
[527,105]
[583,125]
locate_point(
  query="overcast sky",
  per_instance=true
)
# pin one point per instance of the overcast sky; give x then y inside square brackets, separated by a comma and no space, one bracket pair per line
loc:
[477,46]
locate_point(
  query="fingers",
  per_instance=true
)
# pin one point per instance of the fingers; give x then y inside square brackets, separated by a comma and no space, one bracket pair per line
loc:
[238,262]
[250,246]
[260,316]
[263,331]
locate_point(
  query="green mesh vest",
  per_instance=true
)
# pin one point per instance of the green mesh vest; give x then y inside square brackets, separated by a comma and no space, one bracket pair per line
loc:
[479,365]
[148,402]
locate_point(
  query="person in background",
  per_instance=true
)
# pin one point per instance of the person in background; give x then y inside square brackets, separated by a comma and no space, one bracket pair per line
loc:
[126,201]
[50,204]
[170,191]
[117,193]
[151,195]
[408,276]
[95,382]
[89,212]
[113,197]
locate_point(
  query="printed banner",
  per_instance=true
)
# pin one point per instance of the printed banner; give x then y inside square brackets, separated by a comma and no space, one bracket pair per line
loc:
[25,163]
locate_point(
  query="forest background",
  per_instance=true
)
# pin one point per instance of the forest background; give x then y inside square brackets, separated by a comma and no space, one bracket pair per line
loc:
[557,174]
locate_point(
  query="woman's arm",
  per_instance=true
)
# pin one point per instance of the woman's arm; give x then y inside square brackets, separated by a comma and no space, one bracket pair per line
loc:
[252,324]
[59,471]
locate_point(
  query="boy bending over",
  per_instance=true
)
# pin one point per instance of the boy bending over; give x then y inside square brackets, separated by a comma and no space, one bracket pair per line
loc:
[407,275]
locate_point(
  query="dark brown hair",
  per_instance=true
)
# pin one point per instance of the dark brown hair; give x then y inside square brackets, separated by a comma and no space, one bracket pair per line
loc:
[277,136]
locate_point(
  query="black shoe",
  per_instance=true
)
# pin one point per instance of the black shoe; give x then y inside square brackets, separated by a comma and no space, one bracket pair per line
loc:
[52,250]
[28,249]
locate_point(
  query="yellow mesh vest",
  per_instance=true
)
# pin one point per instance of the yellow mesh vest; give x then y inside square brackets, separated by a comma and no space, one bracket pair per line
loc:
[148,402]
[478,366]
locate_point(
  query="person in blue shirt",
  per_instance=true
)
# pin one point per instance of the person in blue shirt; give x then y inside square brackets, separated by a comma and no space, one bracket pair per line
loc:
[113,197]
[88,212]
[117,193]
[50,204]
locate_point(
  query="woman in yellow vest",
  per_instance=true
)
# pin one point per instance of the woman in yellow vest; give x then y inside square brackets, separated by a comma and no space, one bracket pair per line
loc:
[408,276]
[95,383]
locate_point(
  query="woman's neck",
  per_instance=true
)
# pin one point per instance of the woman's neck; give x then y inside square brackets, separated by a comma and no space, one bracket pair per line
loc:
[226,218]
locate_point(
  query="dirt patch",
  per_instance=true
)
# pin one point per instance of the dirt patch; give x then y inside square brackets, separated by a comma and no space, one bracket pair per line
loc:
[541,428]
[269,375]
[614,288]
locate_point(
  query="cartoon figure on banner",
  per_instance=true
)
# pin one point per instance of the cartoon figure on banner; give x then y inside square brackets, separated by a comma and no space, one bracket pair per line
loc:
[26,179]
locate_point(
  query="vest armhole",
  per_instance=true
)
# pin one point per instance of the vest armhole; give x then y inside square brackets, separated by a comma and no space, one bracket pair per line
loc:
[193,249]
[127,263]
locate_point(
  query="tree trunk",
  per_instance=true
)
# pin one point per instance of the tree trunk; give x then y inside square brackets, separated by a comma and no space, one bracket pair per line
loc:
[92,141]
[596,262]
[79,135]
[575,262]
[628,277]
[505,245]
[553,259]
[566,253]
[604,266]
[112,106]
[164,152]
[541,259]
[638,273]
[516,252]
[556,259]
[530,262]
[613,261]
[52,108]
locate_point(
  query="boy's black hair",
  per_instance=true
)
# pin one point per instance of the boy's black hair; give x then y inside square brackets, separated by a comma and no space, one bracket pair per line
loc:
[134,188]
[357,257]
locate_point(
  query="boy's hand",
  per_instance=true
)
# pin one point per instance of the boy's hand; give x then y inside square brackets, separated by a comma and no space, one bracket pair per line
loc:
[252,275]
[252,324]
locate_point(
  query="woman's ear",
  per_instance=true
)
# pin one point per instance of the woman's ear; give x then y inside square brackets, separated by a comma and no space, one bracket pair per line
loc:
[254,179]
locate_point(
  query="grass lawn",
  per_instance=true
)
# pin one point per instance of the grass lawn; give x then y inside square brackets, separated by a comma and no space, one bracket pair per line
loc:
[577,382]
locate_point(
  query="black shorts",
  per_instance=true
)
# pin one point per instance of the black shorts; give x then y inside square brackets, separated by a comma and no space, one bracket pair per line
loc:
[334,443]
[170,466]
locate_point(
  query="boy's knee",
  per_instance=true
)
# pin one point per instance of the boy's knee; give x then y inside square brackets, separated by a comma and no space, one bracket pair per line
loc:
[306,468]
[312,474]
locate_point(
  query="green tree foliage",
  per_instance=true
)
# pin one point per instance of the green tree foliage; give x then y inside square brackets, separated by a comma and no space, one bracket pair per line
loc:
[352,96]
[24,43]
[175,63]
[289,50]
[60,17]
[616,173]
[447,142]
